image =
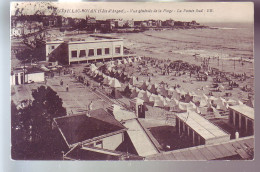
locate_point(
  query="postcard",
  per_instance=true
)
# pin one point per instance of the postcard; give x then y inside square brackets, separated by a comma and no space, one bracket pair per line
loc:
[132,81]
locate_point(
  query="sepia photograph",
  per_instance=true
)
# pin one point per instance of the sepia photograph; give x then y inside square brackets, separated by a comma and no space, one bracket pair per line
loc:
[140,81]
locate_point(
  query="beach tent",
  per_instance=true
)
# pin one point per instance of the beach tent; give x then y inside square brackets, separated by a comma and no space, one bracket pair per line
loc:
[183,106]
[104,75]
[135,59]
[134,103]
[116,94]
[175,101]
[153,88]
[152,97]
[127,90]
[131,87]
[141,93]
[170,90]
[119,62]
[220,103]
[239,102]
[124,61]
[232,102]
[133,80]
[180,91]
[216,113]
[160,102]
[139,58]
[113,109]
[114,83]
[44,68]
[144,85]
[221,87]
[106,80]
[109,69]
[144,96]
[250,103]
[175,95]
[129,60]
[134,93]
[122,115]
[203,110]
[191,106]
[188,97]
[212,98]
[203,102]
[93,67]
[163,91]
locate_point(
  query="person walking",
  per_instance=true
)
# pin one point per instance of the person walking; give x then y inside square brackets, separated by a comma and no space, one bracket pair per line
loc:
[67,87]
[45,80]
[61,82]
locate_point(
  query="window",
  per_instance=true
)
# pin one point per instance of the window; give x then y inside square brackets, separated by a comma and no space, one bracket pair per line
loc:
[82,53]
[106,50]
[117,50]
[91,52]
[52,47]
[99,51]
[99,144]
[74,54]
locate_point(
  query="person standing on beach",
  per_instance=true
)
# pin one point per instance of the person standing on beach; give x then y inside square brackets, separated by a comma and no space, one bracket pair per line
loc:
[67,87]
[61,82]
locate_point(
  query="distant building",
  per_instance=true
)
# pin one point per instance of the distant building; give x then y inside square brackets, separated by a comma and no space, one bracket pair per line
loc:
[169,22]
[181,23]
[91,23]
[124,23]
[193,23]
[92,48]
[17,31]
[106,25]
[52,21]
[242,118]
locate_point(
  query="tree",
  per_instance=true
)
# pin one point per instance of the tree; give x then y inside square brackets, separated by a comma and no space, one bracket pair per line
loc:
[38,139]
[25,56]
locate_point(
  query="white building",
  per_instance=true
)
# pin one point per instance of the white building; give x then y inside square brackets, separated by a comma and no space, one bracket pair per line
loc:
[20,77]
[92,48]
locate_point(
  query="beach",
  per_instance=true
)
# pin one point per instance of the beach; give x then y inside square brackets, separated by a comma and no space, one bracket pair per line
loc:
[224,47]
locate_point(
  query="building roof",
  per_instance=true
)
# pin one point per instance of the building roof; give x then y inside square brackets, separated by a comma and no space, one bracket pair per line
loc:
[141,141]
[209,152]
[95,153]
[245,110]
[81,128]
[200,125]
[85,39]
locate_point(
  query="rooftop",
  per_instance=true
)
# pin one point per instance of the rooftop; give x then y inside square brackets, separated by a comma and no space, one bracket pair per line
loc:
[210,152]
[79,128]
[202,126]
[82,39]
[245,110]
[94,153]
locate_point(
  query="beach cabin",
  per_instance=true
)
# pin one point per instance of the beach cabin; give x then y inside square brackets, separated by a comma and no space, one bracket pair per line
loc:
[199,130]
[242,118]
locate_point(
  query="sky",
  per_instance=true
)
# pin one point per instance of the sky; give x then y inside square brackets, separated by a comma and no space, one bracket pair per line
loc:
[184,11]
